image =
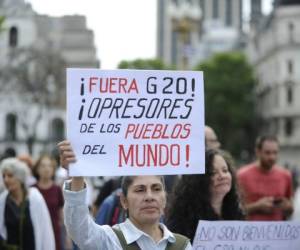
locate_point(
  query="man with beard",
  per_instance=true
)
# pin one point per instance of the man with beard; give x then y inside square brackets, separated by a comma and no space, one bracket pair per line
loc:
[266,188]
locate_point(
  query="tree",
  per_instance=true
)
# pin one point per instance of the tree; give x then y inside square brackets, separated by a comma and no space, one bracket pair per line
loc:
[229,101]
[35,78]
[1,23]
[143,64]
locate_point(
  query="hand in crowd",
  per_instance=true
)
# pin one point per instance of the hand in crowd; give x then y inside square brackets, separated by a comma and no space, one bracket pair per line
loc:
[265,204]
[66,154]
[285,205]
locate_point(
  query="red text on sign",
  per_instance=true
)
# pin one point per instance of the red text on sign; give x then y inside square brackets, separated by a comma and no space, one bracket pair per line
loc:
[113,85]
[146,155]
[158,131]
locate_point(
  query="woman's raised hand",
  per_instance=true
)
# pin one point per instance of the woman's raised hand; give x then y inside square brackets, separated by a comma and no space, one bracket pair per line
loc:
[66,154]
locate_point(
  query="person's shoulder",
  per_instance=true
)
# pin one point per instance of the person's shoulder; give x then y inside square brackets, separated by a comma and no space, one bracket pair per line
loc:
[34,193]
[3,194]
[181,241]
[56,187]
[112,197]
[244,170]
[283,171]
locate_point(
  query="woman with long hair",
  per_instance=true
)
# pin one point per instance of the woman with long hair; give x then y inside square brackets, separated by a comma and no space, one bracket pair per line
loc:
[209,196]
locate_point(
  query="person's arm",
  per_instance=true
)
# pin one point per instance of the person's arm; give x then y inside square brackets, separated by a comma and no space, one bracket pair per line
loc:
[79,224]
[263,205]
[286,205]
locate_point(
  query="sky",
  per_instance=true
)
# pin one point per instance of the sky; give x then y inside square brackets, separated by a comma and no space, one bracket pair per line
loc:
[123,29]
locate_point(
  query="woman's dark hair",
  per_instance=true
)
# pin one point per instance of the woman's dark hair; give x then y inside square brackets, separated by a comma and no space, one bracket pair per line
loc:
[128,180]
[191,199]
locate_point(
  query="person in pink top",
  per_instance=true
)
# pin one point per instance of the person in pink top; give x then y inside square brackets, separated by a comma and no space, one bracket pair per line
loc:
[266,188]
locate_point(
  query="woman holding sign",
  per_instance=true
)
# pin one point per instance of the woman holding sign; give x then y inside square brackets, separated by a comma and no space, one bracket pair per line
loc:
[143,197]
[210,196]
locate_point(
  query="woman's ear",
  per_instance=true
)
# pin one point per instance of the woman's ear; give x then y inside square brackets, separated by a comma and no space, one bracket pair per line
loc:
[123,201]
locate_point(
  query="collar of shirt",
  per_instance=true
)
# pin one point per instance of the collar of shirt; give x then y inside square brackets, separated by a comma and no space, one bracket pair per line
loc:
[132,233]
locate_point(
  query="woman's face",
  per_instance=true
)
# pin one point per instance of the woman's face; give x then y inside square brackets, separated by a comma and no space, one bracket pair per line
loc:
[146,200]
[221,179]
[11,183]
[45,169]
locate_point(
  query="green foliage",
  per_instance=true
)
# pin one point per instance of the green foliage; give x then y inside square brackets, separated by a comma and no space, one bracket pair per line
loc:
[229,101]
[2,19]
[154,64]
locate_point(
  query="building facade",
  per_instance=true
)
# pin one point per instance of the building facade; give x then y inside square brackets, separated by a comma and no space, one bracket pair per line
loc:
[26,123]
[274,50]
[178,31]
[228,12]
[189,31]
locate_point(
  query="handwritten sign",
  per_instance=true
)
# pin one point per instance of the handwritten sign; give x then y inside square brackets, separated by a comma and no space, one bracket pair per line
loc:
[245,235]
[135,122]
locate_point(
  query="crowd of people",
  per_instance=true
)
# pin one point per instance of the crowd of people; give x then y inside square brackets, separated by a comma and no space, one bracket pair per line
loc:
[138,212]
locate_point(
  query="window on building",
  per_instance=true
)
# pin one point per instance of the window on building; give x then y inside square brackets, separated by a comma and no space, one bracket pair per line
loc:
[228,13]
[276,96]
[290,67]
[256,43]
[215,9]
[291,31]
[58,129]
[174,47]
[240,14]
[289,94]
[13,37]
[288,127]
[202,6]
[275,126]
[11,127]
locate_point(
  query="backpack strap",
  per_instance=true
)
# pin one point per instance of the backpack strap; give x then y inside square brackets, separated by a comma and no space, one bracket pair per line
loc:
[180,243]
[124,245]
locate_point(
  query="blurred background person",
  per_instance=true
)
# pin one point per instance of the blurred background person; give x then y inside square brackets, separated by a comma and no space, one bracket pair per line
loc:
[266,188]
[211,139]
[8,152]
[44,171]
[209,196]
[26,158]
[24,218]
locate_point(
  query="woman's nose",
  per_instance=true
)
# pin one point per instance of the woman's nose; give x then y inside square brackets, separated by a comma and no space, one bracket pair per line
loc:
[220,175]
[149,194]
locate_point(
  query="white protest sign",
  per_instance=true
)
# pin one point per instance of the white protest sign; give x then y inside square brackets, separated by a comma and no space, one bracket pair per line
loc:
[247,235]
[135,122]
